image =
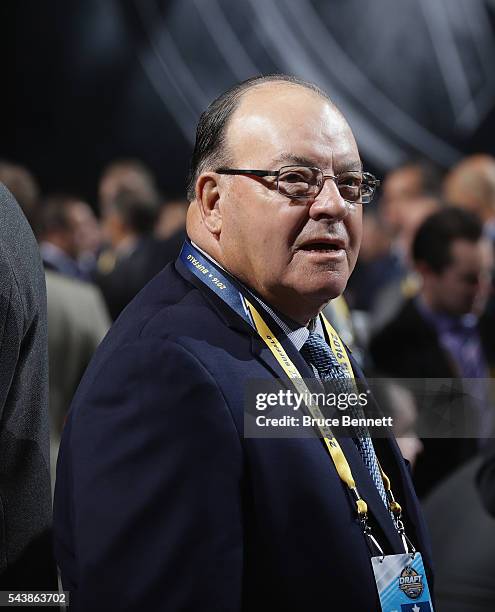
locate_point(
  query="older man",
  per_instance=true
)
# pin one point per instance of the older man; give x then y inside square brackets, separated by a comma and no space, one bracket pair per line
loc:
[161,502]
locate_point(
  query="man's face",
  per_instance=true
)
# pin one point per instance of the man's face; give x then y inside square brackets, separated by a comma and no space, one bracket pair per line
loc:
[275,244]
[464,284]
[399,188]
[86,230]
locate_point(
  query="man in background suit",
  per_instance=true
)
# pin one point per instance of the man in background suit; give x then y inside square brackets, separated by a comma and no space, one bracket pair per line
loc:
[26,558]
[77,322]
[58,233]
[161,503]
[135,255]
[439,333]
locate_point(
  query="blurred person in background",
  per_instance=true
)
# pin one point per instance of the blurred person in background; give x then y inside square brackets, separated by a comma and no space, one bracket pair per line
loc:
[87,235]
[382,281]
[409,193]
[412,216]
[171,225]
[126,175]
[463,539]
[404,184]
[439,333]
[390,297]
[59,234]
[77,315]
[384,275]
[78,319]
[377,266]
[129,205]
[454,263]
[172,219]
[24,187]
[471,185]
[397,401]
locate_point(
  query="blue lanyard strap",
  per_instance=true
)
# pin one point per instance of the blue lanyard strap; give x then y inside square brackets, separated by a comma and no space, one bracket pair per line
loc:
[216,279]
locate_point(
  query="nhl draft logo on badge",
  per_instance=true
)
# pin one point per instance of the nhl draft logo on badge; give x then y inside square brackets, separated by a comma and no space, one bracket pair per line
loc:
[411,583]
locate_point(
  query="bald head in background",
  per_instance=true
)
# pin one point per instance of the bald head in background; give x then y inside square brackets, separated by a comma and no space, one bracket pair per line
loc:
[471,185]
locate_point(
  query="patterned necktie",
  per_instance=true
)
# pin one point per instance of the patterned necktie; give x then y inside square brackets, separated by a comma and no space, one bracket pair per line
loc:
[317,352]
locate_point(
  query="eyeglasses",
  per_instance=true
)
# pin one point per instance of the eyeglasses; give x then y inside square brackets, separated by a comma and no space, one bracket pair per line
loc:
[298,182]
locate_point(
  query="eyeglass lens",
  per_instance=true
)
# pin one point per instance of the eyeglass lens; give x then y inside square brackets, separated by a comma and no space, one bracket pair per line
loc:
[300,181]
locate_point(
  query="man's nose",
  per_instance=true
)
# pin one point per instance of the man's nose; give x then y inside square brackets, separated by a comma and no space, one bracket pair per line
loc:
[329,203]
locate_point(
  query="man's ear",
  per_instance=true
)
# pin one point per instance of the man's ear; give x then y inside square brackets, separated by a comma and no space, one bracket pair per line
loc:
[424,271]
[208,198]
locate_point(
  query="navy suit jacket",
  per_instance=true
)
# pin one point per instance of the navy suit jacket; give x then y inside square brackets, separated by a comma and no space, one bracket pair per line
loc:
[162,504]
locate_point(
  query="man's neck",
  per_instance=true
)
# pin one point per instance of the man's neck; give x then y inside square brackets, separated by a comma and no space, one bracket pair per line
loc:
[428,302]
[295,318]
[302,316]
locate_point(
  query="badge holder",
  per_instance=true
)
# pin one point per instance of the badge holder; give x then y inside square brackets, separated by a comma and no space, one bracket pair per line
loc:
[400,579]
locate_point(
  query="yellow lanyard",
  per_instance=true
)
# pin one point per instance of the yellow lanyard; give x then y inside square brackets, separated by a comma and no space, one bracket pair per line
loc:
[333,447]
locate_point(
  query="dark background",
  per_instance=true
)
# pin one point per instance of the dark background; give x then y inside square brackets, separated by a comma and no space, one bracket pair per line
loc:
[88,81]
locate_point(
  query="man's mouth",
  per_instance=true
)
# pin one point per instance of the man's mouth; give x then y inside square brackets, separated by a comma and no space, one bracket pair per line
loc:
[323,246]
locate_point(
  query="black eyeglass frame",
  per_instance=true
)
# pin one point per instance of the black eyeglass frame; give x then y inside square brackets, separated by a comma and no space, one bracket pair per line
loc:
[372,181]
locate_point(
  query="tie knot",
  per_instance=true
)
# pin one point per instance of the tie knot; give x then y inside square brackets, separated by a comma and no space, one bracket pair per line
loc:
[317,351]
[315,342]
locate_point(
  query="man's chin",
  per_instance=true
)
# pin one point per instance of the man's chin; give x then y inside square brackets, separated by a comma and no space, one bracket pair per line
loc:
[324,287]
[319,295]
[303,297]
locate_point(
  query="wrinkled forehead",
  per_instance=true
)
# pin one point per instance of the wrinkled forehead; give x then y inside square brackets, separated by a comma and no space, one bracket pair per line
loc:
[283,124]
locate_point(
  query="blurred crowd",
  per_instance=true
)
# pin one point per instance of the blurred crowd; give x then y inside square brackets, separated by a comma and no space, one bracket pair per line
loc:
[96,259]
[418,305]
[422,301]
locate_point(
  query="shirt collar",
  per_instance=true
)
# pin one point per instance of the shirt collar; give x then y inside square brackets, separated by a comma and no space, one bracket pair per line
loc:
[295,332]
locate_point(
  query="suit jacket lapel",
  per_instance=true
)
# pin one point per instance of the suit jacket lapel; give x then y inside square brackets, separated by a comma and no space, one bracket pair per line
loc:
[258,347]
[261,351]
[229,317]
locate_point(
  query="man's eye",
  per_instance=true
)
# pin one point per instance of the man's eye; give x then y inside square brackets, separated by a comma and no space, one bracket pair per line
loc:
[350,180]
[294,177]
